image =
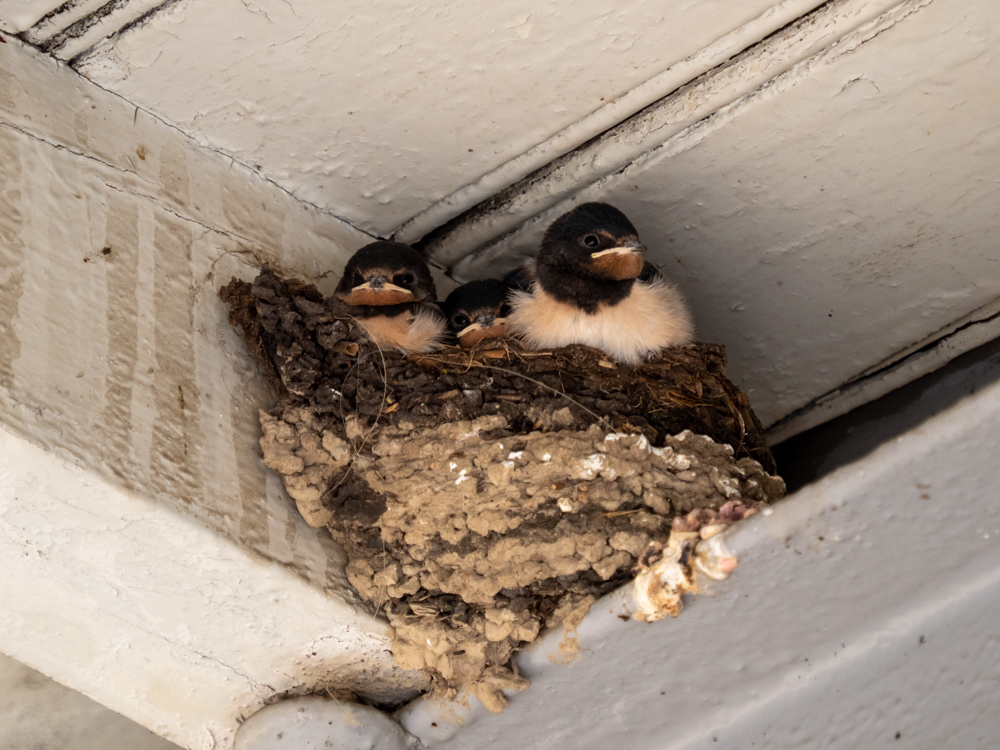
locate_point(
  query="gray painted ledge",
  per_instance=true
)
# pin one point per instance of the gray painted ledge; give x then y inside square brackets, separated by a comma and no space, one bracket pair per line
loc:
[37,713]
[316,723]
[862,614]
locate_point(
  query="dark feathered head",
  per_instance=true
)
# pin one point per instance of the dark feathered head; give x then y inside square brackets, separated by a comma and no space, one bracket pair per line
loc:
[477,310]
[594,239]
[386,273]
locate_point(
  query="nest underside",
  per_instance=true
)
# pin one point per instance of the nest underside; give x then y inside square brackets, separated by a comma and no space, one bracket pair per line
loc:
[483,495]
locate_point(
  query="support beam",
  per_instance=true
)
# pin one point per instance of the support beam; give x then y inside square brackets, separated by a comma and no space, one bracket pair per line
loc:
[148,612]
[150,560]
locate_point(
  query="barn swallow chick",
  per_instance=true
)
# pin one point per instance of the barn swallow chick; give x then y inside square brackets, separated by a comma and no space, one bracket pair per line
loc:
[591,286]
[389,290]
[476,311]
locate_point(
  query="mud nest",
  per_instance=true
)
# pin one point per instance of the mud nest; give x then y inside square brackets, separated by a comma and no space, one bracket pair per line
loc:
[485,495]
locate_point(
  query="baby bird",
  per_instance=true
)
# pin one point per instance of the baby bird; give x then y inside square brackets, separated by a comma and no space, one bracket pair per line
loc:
[591,286]
[476,311]
[387,287]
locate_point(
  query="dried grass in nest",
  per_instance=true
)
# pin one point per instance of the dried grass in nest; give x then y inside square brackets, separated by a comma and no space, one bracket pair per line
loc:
[310,353]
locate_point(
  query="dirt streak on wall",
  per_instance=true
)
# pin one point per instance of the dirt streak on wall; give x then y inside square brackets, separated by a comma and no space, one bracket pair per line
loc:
[121,241]
[254,527]
[176,440]
[11,244]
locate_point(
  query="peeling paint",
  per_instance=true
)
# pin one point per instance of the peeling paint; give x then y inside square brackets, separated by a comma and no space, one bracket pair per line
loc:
[18,15]
[73,29]
[81,26]
[61,17]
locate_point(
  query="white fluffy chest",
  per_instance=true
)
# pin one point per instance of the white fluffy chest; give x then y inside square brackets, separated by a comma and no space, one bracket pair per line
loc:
[420,332]
[651,318]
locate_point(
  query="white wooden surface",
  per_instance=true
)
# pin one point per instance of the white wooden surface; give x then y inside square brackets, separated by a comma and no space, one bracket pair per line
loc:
[125,359]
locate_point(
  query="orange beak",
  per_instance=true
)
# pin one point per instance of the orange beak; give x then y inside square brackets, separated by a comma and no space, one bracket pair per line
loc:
[484,328]
[376,291]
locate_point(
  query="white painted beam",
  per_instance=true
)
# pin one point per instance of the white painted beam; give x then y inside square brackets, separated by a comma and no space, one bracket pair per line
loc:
[125,359]
[922,358]
[635,138]
[155,616]
[599,121]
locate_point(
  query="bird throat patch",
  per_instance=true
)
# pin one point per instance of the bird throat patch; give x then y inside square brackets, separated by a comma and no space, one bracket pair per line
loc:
[618,266]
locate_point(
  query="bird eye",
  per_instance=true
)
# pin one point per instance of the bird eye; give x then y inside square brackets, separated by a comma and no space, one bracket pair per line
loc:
[407,279]
[461,321]
[591,240]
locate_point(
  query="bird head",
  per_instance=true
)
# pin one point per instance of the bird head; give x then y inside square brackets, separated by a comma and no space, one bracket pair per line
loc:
[477,310]
[386,273]
[595,240]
